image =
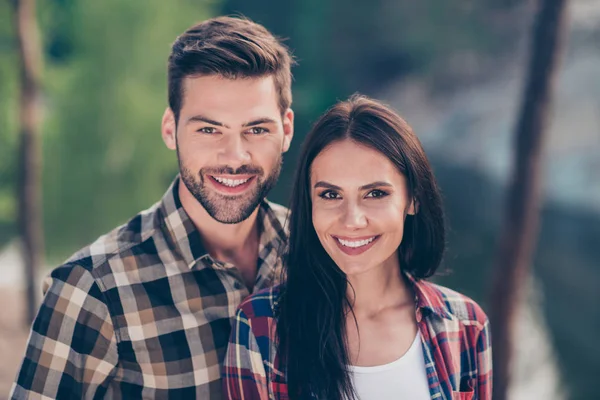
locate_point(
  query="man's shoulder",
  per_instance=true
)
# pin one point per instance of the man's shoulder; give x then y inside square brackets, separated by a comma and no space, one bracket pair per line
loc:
[131,238]
[455,305]
[281,213]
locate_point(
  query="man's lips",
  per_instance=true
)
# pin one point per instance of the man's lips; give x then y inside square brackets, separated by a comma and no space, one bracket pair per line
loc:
[232,184]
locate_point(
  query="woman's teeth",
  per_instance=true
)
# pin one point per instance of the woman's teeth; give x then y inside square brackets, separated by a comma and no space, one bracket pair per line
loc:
[355,243]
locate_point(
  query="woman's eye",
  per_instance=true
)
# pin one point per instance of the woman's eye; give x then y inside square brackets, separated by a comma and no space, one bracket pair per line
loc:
[329,195]
[257,130]
[376,193]
[208,130]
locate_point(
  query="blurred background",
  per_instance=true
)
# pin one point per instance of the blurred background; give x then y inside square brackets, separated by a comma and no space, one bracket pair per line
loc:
[455,69]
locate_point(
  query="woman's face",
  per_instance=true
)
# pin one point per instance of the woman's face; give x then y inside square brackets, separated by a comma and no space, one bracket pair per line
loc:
[359,204]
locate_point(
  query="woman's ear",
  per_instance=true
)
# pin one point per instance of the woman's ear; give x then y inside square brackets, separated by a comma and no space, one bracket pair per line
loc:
[413,208]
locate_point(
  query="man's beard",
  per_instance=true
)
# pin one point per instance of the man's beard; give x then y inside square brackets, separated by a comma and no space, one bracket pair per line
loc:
[230,209]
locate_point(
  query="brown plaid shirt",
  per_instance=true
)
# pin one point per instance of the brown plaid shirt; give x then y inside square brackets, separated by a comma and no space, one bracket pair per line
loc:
[143,312]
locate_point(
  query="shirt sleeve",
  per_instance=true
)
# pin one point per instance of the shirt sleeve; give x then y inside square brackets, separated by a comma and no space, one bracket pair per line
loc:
[72,349]
[484,363]
[244,376]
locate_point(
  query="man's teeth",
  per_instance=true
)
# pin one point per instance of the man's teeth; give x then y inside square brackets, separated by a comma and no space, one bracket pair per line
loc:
[231,182]
[357,243]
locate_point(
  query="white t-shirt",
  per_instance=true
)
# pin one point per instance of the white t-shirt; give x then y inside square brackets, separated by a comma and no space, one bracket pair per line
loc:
[404,378]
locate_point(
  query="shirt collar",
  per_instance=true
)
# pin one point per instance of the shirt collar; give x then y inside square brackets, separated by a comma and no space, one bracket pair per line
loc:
[181,231]
[428,297]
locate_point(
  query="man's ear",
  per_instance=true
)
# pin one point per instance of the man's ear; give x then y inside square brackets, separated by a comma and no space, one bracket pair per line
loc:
[169,129]
[288,129]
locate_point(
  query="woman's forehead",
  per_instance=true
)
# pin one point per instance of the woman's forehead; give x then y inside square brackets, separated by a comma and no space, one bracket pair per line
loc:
[353,163]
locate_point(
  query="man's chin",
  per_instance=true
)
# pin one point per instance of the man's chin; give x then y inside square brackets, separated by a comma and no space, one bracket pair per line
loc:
[230,209]
[230,219]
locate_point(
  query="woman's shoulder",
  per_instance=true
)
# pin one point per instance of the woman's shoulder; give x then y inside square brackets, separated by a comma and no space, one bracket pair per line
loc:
[452,304]
[261,304]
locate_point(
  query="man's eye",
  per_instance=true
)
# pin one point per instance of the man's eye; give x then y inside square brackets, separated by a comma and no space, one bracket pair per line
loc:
[208,130]
[257,130]
[376,193]
[329,195]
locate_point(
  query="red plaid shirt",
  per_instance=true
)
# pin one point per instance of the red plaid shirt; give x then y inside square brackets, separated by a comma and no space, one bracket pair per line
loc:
[455,340]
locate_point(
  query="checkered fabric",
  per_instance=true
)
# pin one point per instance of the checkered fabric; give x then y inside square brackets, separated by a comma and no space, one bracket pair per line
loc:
[455,340]
[144,312]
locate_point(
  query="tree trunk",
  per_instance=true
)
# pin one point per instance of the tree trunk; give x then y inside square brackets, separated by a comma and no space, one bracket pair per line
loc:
[519,233]
[30,162]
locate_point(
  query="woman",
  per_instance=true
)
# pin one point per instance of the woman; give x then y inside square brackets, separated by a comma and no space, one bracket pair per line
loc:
[355,318]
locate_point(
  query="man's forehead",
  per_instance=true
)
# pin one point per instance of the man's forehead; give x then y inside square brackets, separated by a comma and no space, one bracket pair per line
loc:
[217,94]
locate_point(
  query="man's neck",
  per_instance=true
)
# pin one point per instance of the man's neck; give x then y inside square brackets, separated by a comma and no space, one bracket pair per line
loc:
[234,243]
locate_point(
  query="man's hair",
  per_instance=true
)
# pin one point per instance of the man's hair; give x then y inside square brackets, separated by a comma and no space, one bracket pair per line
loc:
[232,47]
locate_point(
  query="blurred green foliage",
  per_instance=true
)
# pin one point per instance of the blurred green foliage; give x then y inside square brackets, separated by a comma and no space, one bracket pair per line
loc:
[8,124]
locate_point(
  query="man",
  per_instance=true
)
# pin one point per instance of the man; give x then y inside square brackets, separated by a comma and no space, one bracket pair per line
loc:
[145,310]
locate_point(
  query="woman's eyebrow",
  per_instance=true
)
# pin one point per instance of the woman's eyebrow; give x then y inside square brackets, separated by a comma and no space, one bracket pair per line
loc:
[326,185]
[373,185]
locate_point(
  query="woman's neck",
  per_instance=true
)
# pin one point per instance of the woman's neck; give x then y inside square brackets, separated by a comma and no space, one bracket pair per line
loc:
[379,289]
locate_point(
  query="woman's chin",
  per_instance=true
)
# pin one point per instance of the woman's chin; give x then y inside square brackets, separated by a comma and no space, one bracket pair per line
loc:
[355,269]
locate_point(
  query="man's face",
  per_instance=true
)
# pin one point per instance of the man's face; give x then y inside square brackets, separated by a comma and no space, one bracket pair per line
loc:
[229,140]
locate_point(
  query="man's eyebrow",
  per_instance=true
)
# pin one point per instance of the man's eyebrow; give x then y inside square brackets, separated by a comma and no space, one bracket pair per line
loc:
[259,121]
[201,118]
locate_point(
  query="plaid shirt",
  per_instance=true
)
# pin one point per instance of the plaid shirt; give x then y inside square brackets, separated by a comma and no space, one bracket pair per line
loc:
[455,341]
[144,312]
